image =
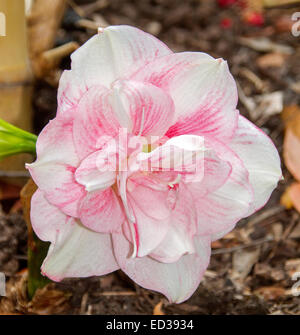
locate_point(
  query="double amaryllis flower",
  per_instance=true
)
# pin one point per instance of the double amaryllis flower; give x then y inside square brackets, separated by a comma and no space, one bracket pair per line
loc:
[113,189]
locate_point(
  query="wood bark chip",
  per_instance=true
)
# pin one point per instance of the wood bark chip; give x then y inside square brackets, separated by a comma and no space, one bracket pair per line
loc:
[43,22]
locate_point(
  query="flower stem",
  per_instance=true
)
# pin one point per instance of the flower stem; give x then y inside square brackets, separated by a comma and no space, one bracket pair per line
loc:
[37,252]
[37,249]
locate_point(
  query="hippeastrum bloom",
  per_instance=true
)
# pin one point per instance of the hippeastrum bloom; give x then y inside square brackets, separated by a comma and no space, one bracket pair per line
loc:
[113,189]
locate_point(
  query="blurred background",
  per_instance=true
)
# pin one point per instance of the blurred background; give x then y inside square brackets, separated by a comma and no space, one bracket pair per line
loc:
[255,269]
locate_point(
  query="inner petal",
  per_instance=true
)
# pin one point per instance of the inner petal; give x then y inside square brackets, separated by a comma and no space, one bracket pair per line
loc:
[98,170]
[143,109]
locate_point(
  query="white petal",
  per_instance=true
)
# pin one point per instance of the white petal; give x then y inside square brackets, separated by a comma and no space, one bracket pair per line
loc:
[226,205]
[261,159]
[115,52]
[97,171]
[95,123]
[152,217]
[70,91]
[203,90]
[177,281]
[46,219]
[79,252]
[181,153]
[183,227]
[53,170]
[100,211]
[142,108]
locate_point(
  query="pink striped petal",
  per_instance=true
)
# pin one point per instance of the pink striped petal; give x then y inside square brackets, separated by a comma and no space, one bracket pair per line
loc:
[260,158]
[163,71]
[67,236]
[183,154]
[203,91]
[179,239]
[151,214]
[139,192]
[114,53]
[177,281]
[216,172]
[95,123]
[79,252]
[46,219]
[55,142]
[225,206]
[53,171]
[100,211]
[98,170]
[70,91]
[142,108]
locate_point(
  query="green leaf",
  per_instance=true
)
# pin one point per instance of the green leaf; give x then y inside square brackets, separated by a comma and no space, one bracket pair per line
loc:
[14,140]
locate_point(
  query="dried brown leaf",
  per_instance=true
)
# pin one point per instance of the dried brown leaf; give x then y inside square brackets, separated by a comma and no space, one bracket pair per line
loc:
[157,310]
[243,261]
[46,301]
[270,292]
[273,59]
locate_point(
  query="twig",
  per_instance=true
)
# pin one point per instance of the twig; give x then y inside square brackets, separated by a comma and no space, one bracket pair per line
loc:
[116,294]
[21,257]
[249,103]
[266,215]
[253,78]
[244,246]
[56,54]
[294,222]
[284,236]
[76,8]
[14,174]
[94,7]
[87,24]
[84,301]
[263,44]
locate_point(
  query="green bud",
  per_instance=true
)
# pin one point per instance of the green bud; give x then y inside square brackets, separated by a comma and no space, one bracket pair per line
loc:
[14,140]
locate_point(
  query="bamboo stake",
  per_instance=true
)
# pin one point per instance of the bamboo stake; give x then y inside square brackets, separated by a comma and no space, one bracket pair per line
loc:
[275,3]
[16,80]
[15,76]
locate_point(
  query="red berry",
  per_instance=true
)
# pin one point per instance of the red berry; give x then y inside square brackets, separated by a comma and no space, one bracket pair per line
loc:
[255,19]
[226,23]
[226,3]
